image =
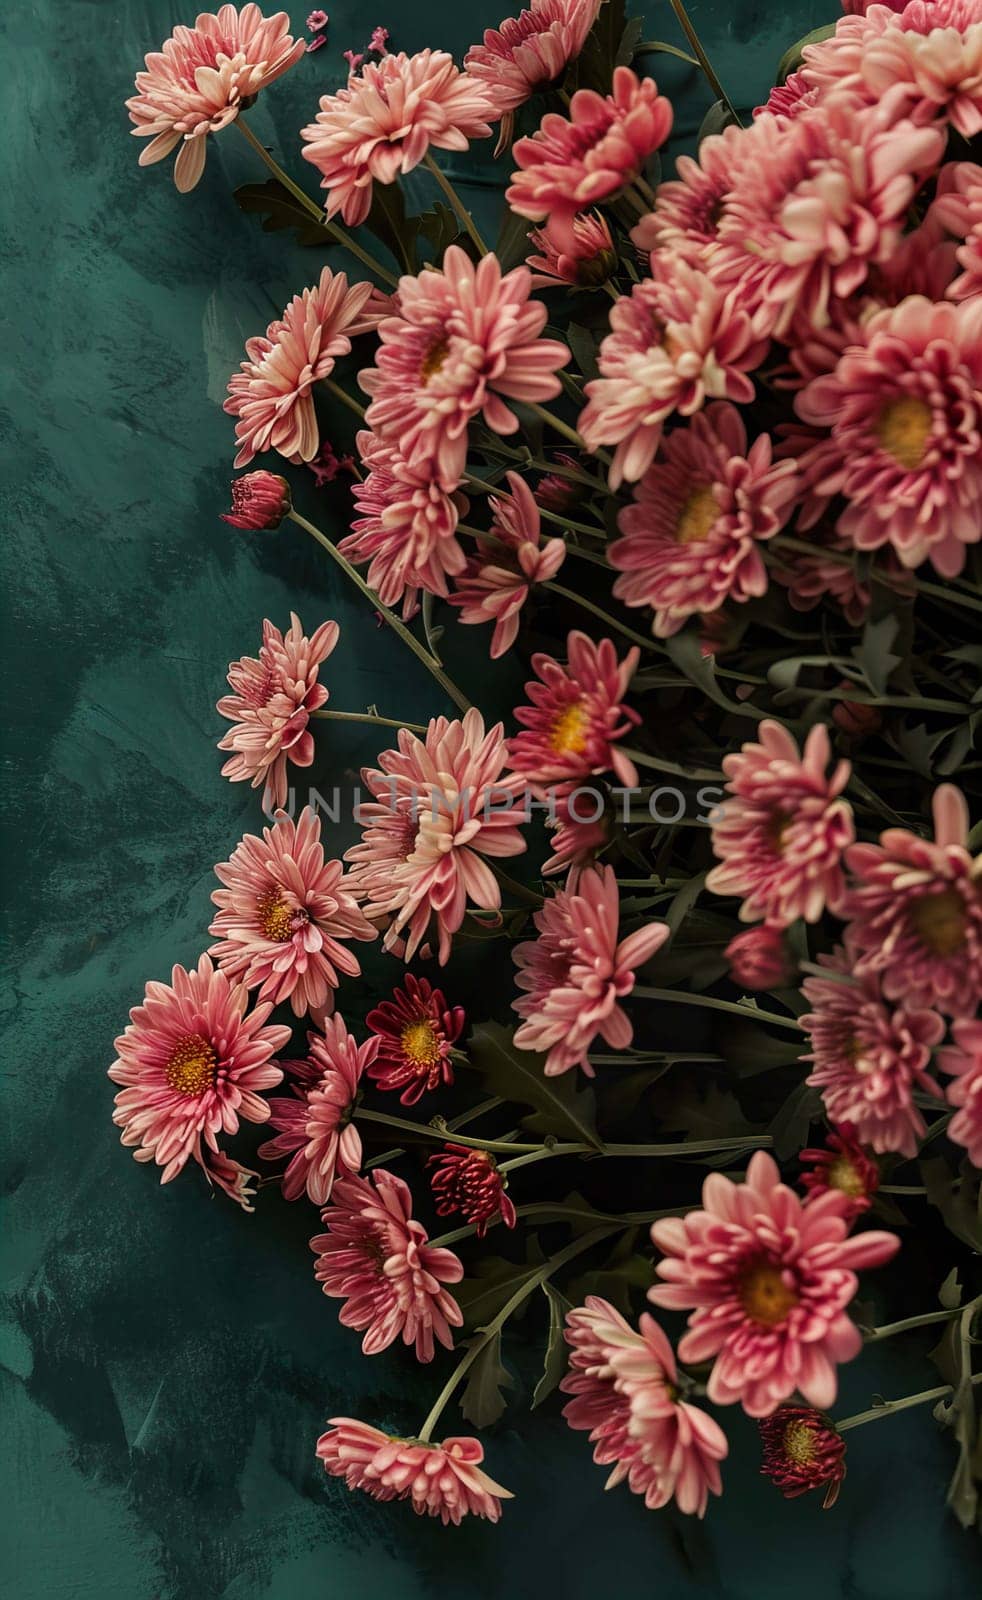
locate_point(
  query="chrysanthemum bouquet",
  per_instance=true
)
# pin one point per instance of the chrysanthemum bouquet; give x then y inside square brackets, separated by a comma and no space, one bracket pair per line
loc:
[717,857]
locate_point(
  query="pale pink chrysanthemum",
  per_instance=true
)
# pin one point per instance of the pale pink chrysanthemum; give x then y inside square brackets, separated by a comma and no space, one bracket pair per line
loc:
[201,79]
[465,340]
[530,51]
[780,835]
[378,1260]
[283,913]
[869,1056]
[440,1480]
[573,163]
[767,1277]
[406,527]
[495,584]
[962,1059]
[577,970]
[690,538]
[626,1394]
[903,409]
[440,806]
[958,208]
[825,198]
[314,1128]
[675,341]
[190,1064]
[790,98]
[914,908]
[273,696]
[587,263]
[383,123]
[578,830]
[571,729]
[688,207]
[272,392]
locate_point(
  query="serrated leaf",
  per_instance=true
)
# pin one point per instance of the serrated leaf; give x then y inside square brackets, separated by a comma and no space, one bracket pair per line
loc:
[791,59]
[560,1105]
[950,1293]
[685,651]
[280,210]
[556,1356]
[874,655]
[482,1401]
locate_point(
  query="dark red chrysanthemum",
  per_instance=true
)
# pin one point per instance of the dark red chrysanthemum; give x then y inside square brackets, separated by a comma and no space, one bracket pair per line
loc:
[468,1181]
[844,1165]
[417,1031]
[802,1451]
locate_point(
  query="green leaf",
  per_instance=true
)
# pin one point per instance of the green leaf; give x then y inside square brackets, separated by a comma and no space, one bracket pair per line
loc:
[388,221]
[791,59]
[555,1363]
[950,1293]
[482,1401]
[513,241]
[957,1199]
[584,349]
[622,1279]
[718,117]
[750,1050]
[495,1280]
[561,1106]
[685,651]
[684,900]
[601,53]
[789,1129]
[873,653]
[629,41]
[655,47]
[280,210]
[440,228]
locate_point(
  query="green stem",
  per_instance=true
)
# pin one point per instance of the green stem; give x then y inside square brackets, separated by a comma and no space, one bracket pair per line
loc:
[369,716]
[642,759]
[345,398]
[399,628]
[422,1130]
[703,59]
[458,205]
[946,592]
[558,425]
[604,616]
[889,1406]
[452,1126]
[890,1328]
[684,998]
[521,891]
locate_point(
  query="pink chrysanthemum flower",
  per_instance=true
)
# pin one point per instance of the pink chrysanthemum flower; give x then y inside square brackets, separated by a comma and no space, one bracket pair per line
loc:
[202,78]
[825,198]
[384,122]
[842,1164]
[260,500]
[272,392]
[190,1064]
[759,958]
[416,1032]
[378,1260]
[869,1057]
[495,584]
[554,491]
[270,705]
[315,1128]
[465,340]
[626,1394]
[440,1480]
[577,715]
[282,915]
[572,164]
[903,407]
[530,51]
[440,806]
[578,830]
[586,264]
[963,1061]
[767,1278]
[688,208]
[789,99]
[813,576]
[468,1182]
[915,911]
[958,208]
[803,1451]
[406,525]
[780,836]
[576,972]
[676,340]
[691,535]
[858,8]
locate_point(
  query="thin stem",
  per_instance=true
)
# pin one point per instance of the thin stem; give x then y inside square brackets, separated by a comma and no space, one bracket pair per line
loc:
[642,759]
[452,1126]
[604,616]
[889,1406]
[423,1130]
[945,592]
[558,425]
[521,891]
[369,716]
[684,998]
[649,1152]
[890,1328]
[703,59]
[458,205]
[446,684]
[345,398]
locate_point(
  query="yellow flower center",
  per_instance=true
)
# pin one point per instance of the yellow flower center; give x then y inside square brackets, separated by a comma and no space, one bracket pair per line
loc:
[568,733]
[420,1044]
[939,921]
[764,1295]
[903,428]
[843,1175]
[799,1444]
[191,1068]
[276,918]
[433,360]
[697,516]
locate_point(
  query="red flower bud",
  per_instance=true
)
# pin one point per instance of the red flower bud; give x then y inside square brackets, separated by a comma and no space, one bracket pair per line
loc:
[759,958]
[259,500]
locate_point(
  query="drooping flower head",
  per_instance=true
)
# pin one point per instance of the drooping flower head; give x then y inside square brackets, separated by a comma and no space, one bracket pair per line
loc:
[577,715]
[767,1278]
[530,51]
[283,914]
[759,958]
[468,1182]
[780,835]
[962,1059]
[383,123]
[495,583]
[440,806]
[260,500]
[416,1032]
[841,1163]
[576,972]
[802,1451]
[272,392]
[626,1394]
[690,537]
[272,697]
[586,262]
[189,1065]
[377,1258]
[915,911]
[465,340]
[869,1055]
[314,1129]
[200,80]
[440,1480]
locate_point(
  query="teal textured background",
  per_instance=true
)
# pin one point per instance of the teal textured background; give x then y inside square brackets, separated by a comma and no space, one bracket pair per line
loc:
[167,1362]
